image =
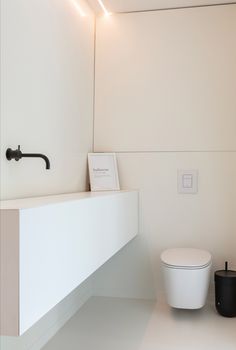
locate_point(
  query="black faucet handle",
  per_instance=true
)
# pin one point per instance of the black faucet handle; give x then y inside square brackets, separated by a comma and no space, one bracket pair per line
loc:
[16,154]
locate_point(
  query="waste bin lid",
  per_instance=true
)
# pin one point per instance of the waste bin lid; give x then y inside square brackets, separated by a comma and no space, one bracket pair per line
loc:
[225,274]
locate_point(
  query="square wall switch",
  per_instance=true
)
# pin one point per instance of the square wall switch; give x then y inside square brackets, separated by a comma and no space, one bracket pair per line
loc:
[188,181]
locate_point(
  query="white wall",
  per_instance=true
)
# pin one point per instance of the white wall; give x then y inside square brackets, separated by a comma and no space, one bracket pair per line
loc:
[167,78]
[47,52]
[47,95]
[165,101]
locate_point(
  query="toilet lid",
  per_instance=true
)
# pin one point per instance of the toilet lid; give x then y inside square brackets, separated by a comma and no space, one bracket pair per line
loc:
[186,257]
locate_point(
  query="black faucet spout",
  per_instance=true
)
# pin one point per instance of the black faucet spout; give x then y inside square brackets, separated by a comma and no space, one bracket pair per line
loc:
[37,155]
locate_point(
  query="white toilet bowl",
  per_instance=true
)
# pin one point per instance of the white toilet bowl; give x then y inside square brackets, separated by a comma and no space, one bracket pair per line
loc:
[186,276]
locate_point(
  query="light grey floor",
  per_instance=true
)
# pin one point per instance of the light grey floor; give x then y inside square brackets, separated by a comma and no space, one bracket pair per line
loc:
[128,324]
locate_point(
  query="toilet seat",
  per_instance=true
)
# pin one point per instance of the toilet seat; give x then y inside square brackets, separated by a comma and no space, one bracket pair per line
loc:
[186,258]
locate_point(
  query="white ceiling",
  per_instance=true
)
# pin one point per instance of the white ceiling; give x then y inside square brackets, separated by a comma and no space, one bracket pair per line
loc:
[144,5]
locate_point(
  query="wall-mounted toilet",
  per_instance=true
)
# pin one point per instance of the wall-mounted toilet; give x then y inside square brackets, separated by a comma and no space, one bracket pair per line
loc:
[186,274]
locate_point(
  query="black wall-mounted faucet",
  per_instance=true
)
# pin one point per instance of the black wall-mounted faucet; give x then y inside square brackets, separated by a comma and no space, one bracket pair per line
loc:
[17,155]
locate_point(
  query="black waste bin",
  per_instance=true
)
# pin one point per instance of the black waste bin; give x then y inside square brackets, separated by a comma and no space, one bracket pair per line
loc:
[225,292]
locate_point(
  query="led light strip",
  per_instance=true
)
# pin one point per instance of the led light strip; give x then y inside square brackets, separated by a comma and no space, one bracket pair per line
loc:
[104,8]
[78,8]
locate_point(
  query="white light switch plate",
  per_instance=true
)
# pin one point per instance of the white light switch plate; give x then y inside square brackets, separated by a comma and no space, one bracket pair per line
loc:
[188,181]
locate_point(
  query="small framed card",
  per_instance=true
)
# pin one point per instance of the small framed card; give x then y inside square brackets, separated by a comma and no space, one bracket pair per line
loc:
[103,172]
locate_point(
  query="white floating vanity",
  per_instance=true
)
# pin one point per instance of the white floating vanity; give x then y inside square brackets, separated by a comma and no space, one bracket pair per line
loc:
[50,245]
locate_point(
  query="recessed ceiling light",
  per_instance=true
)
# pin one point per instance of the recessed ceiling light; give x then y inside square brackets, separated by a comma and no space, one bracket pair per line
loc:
[78,8]
[107,13]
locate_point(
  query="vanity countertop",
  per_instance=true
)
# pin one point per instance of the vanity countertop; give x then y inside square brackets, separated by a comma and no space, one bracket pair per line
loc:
[32,202]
